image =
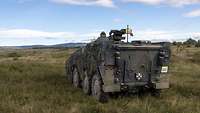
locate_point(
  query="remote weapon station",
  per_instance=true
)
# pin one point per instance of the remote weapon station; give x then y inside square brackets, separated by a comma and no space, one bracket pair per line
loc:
[109,64]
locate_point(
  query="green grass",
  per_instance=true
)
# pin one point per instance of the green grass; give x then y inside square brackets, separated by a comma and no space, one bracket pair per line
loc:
[35,82]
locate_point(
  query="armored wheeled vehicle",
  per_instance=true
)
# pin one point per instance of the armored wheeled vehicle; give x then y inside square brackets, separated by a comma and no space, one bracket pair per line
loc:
[109,64]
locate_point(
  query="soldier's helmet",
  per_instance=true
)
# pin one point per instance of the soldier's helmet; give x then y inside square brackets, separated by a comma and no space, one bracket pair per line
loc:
[103,34]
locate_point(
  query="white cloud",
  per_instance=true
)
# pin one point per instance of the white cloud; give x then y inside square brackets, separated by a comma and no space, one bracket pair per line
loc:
[15,37]
[176,3]
[10,37]
[26,33]
[196,35]
[91,35]
[151,2]
[103,3]
[159,35]
[183,2]
[154,35]
[194,13]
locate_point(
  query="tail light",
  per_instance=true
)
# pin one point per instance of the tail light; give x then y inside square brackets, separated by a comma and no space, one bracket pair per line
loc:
[164,56]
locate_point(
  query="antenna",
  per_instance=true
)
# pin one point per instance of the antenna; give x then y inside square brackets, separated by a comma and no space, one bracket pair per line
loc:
[127,29]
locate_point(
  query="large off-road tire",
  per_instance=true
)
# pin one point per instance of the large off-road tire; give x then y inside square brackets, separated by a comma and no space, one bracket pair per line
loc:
[86,85]
[97,90]
[67,73]
[76,78]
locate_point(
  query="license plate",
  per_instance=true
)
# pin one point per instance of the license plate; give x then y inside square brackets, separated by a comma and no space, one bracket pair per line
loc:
[164,69]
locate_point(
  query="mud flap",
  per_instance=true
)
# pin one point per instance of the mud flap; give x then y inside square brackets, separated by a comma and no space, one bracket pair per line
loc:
[111,88]
[163,82]
[163,85]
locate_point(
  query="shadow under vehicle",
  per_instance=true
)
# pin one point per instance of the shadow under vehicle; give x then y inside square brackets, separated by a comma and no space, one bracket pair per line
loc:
[109,64]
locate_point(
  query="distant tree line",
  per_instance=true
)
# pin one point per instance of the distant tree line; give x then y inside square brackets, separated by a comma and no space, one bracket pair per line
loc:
[188,43]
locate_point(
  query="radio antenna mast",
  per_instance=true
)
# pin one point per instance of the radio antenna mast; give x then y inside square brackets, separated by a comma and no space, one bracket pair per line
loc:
[127,30]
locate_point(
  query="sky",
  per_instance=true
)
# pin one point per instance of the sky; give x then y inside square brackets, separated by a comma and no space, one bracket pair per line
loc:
[46,22]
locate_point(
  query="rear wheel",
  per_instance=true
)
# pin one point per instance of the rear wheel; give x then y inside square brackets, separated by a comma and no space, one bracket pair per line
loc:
[86,84]
[76,78]
[97,90]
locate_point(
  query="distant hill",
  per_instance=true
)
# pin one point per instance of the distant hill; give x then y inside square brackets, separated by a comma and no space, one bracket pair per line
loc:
[64,45]
[67,45]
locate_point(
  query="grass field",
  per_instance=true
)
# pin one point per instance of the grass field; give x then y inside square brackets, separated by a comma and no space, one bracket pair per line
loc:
[33,81]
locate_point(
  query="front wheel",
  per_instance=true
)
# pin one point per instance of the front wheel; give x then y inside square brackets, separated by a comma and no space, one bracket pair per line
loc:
[76,78]
[97,90]
[86,84]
